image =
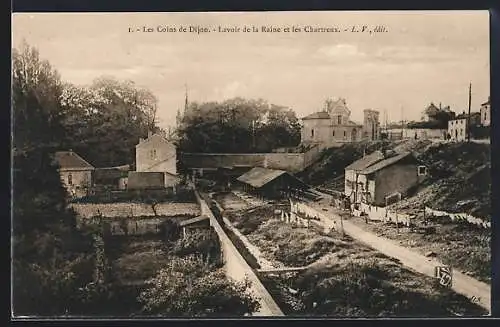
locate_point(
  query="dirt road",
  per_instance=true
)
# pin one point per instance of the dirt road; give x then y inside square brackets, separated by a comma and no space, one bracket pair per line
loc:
[477,291]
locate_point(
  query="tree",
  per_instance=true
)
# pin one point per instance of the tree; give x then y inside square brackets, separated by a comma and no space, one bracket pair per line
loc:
[50,260]
[189,287]
[106,119]
[238,125]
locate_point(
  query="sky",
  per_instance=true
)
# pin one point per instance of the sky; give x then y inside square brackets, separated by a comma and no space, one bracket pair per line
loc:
[422,57]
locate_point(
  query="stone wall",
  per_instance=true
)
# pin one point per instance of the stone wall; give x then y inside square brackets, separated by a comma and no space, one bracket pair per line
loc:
[145,180]
[237,268]
[292,162]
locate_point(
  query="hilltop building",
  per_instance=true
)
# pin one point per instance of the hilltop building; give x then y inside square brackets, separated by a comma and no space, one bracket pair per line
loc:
[486,113]
[333,125]
[458,127]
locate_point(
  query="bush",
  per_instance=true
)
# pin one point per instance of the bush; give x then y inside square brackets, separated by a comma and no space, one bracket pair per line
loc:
[188,287]
[205,244]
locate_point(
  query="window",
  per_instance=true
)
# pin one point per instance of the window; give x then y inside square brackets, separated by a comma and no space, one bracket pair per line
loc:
[70,179]
[333,133]
[422,170]
[312,132]
[152,154]
[339,118]
[485,115]
[344,134]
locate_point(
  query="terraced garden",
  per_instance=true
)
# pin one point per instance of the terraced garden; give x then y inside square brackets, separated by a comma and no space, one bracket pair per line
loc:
[343,277]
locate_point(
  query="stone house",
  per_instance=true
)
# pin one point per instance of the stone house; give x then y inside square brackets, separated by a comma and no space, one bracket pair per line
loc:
[76,173]
[333,126]
[458,127]
[156,154]
[486,113]
[376,176]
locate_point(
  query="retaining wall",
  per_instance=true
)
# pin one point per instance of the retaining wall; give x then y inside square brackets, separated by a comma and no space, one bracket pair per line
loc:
[237,268]
[292,162]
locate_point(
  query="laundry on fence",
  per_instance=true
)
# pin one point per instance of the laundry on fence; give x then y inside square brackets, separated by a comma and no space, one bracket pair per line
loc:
[429,212]
[381,214]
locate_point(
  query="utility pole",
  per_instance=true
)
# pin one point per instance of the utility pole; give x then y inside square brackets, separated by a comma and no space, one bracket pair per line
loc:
[402,123]
[468,116]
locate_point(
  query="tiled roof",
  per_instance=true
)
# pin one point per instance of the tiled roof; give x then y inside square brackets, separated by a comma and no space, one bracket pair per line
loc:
[71,160]
[366,161]
[318,115]
[258,176]
[384,163]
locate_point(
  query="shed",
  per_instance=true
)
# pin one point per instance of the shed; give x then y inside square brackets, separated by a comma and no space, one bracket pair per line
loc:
[145,180]
[193,224]
[271,183]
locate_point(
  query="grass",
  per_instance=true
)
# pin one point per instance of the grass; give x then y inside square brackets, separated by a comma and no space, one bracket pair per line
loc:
[460,245]
[345,278]
[365,285]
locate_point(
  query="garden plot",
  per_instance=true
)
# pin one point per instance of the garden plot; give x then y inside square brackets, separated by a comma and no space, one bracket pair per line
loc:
[342,277]
[230,201]
[350,279]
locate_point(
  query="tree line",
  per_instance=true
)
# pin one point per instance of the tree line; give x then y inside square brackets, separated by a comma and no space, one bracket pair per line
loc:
[58,268]
[237,126]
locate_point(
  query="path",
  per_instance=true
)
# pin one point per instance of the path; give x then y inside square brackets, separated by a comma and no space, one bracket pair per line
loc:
[462,283]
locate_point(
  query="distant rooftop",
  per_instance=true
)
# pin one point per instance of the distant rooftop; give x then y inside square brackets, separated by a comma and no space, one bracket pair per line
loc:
[366,161]
[71,160]
[318,115]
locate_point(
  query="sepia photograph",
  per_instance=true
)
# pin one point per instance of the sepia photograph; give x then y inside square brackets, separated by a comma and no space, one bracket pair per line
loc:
[322,164]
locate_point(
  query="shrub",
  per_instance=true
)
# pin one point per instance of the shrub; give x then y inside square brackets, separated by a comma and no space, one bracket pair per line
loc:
[188,287]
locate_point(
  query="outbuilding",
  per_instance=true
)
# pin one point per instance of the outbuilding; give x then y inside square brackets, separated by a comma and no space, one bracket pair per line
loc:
[271,183]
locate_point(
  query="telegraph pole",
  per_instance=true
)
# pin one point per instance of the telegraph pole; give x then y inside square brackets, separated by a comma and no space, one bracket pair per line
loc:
[468,116]
[402,123]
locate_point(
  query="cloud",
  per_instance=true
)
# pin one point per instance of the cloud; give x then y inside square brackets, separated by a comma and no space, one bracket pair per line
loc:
[230,90]
[340,51]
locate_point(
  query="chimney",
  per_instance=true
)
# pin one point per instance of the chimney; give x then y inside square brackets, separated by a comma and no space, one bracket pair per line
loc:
[439,105]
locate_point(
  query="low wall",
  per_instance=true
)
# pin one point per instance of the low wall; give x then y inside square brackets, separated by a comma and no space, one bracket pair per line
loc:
[128,209]
[458,217]
[292,162]
[139,180]
[237,268]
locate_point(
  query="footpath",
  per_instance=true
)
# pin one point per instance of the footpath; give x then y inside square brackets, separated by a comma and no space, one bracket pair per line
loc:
[477,291]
